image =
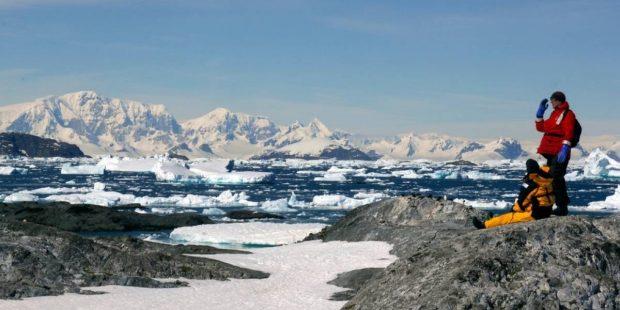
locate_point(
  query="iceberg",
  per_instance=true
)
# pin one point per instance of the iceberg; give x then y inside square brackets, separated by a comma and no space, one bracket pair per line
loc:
[332,177]
[12,170]
[277,206]
[373,175]
[338,170]
[214,172]
[574,176]
[600,165]
[477,175]
[407,174]
[342,202]
[254,233]
[127,164]
[444,175]
[96,197]
[610,204]
[213,212]
[173,171]
[56,190]
[19,197]
[82,169]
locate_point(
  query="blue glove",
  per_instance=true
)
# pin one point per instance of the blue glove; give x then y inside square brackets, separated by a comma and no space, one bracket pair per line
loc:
[542,108]
[564,153]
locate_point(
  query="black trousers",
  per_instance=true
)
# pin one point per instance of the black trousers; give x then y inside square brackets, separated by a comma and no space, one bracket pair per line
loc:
[558,170]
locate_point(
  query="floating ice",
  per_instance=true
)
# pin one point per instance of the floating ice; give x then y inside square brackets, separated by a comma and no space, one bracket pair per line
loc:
[336,202]
[127,164]
[339,170]
[213,212]
[12,170]
[82,169]
[255,233]
[332,177]
[56,190]
[173,171]
[611,203]
[444,175]
[214,172]
[98,186]
[96,197]
[574,176]
[279,205]
[19,197]
[477,175]
[600,165]
[310,172]
[373,175]
[407,174]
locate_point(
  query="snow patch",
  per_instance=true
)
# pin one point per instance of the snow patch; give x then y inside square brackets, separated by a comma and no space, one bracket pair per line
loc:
[255,233]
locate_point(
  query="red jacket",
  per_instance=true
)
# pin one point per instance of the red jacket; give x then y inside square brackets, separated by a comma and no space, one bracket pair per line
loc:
[557,130]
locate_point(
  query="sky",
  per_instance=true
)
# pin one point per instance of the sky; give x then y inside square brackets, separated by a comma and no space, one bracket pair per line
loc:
[469,68]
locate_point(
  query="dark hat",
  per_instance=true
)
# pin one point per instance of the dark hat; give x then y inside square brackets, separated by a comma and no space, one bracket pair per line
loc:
[532,166]
[559,96]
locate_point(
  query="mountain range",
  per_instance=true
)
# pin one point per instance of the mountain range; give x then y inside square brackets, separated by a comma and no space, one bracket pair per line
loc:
[101,125]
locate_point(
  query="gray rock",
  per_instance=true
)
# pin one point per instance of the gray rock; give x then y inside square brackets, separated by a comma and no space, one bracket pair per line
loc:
[354,280]
[21,144]
[90,218]
[444,263]
[251,215]
[38,260]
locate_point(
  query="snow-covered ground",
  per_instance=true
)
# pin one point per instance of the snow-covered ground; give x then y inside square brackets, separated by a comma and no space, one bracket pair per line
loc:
[298,280]
[255,233]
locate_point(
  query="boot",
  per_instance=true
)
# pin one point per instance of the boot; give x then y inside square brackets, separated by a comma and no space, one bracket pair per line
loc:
[477,223]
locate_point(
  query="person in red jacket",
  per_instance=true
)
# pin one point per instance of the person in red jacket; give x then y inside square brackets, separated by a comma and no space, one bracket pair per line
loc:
[555,145]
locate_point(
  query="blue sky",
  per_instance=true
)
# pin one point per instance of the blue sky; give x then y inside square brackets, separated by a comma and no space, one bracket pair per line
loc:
[470,68]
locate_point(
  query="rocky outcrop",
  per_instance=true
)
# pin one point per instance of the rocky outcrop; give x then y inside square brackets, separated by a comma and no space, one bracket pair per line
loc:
[444,263]
[20,144]
[251,215]
[40,260]
[90,218]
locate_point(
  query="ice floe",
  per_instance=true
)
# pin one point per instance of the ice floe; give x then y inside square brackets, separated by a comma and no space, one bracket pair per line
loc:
[610,204]
[6,170]
[20,197]
[171,169]
[341,202]
[254,233]
[82,169]
[277,206]
[332,177]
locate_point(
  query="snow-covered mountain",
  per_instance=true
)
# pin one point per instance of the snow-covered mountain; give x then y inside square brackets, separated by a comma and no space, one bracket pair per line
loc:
[443,147]
[229,134]
[96,124]
[427,146]
[100,125]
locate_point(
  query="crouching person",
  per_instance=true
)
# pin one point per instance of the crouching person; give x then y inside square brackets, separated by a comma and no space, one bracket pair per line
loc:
[535,200]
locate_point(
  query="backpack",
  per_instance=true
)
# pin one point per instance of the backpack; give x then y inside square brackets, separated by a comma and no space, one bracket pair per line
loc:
[576,130]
